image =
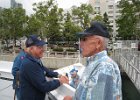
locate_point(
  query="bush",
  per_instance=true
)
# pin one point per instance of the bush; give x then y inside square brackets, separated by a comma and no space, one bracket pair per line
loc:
[71,50]
[58,49]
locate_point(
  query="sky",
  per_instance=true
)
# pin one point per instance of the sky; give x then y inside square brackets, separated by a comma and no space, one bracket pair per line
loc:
[27,4]
[4,3]
[65,4]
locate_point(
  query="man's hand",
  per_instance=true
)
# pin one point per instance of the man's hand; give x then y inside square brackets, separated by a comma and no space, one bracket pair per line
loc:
[59,75]
[64,79]
[67,98]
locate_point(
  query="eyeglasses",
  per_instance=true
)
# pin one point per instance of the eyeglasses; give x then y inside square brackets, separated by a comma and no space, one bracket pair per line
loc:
[41,47]
[84,39]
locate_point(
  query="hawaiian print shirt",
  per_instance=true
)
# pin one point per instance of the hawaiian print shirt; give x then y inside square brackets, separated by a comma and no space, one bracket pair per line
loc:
[101,80]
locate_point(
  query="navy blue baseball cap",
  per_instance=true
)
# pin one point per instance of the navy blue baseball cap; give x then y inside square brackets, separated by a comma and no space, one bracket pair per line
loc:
[96,28]
[34,40]
[73,70]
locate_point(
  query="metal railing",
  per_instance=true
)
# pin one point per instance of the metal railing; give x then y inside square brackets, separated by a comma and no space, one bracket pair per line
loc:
[131,70]
[54,60]
[129,62]
[61,54]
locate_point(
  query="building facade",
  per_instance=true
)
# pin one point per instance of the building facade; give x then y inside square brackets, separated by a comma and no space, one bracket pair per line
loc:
[110,7]
[9,4]
[14,4]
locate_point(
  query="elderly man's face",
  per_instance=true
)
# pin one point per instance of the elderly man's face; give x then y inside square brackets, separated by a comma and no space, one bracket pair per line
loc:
[37,51]
[73,74]
[88,45]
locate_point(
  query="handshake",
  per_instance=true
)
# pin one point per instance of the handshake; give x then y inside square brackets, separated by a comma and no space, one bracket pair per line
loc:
[63,79]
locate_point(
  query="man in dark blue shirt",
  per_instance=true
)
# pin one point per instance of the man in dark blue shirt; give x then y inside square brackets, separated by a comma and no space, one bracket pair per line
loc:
[15,71]
[33,84]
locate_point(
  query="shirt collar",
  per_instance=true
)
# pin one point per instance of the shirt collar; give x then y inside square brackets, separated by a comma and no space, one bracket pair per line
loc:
[97,56]
[33,58]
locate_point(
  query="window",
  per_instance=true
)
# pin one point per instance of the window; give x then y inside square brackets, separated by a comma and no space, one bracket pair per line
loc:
[110,12]
[110,6]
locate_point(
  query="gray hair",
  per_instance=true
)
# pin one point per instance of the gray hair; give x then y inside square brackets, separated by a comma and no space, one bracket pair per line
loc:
[104,41]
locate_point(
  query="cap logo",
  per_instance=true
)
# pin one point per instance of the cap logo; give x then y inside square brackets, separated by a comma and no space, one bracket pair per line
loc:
[30,41]
[39,38]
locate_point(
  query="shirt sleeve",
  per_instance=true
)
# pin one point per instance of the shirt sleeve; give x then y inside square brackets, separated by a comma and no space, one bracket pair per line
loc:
[50,73]
[16,65]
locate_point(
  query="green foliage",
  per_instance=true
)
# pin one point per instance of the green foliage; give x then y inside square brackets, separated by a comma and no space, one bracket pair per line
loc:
[51,22]
[71,50]
[49,18]
[33,25]
[98,18]
[70,28]
[58,49]
[107,23]
[127,23]
[47,21]
[12,21]
[81,15]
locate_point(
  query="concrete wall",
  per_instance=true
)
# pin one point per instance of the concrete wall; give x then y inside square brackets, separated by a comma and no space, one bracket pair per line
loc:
[60,62]
[7,57]
[50,62]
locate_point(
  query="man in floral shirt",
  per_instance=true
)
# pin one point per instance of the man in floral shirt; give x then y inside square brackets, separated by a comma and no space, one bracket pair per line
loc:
[101,79]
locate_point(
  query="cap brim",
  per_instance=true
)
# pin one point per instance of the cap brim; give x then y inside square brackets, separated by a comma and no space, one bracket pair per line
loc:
[41,43]
[83,34]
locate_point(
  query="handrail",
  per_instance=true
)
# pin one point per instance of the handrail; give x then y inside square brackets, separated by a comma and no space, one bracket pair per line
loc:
[129,63]
[131,70]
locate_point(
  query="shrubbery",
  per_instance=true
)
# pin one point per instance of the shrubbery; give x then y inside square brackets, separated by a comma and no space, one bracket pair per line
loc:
[71,50]
[58,49]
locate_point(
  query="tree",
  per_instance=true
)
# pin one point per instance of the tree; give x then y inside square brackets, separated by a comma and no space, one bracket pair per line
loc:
[82,14]
[107,23]
[136,4]
[49,19]
[33,25]
[11,24]
[98,18]
[4,32]
[70,28]
[128,20]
